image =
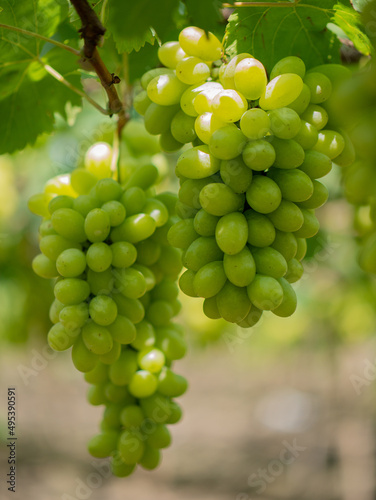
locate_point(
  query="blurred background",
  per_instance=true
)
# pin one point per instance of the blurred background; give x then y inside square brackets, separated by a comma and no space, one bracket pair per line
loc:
[285,410]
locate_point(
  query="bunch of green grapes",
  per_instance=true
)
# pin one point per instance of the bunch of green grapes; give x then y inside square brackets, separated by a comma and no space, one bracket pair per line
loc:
[115,300]
[248,183]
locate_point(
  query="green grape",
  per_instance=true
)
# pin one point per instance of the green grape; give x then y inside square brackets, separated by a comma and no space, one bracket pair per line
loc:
[189,191]
[83,359]
[151,360]
[111,415]
[160,312]
[131,447]
[288,153]
[84,203]
[59,339]
[71,291]
[337,73]
[269,262]
[259,155]
[170,262]
[289,302]
[121,469]
[316,116]
[233,303]
[330,143]
[69,224]
[53,245]
[148,252]
[97,225]
[227,71]
[255,123]
[197,163]
[156,210]
[206,124]
[288,217]
[302,248]
[316,164]
[261,232]
[141,102]
[170,53]
[286,244]
[143,384]
[124,254]
[74,317]
[182,234]
[102,445]
[115,394]
[99,257]
[310,225]
[98,375]
[101,283]
[302,101]
[281,91]
[82,181]
[151,458]
[166,290]
[165,90]
[284,123]
[210,308]
[231,233]
[186,283]
[348,155]
[184,211]
[192,70]
[252,318]
[96,396]
[294,184]
[44,267]
[98,160]
[71,263]
[103,310]
[132,416]
[131,308]
[290,64]
[250,78]
[229,105]
[158,118]
[169,200]
[227,143]
[209,279]
[171,343]
[54,312]
[160,437]
[108,190]
[130,283]
[263,195]
[133,199]
[236,175]
[62,201]
[134,229]
[240,269]
[197,42]
[295,271]
[122,370]
[202,102]
[205,223]
[319,85]
[97,339]
[218,199]
[307,135]
[183,127]
[265,292]
[189,96]
[171,384]
[148,274]
[113,355]
[152,73]
[46,229]
[168,143]
[116,212]
[122,330]
[38,204]
[319,196]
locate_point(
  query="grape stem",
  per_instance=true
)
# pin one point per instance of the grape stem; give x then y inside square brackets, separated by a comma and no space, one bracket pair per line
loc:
[41,37]
[261,4]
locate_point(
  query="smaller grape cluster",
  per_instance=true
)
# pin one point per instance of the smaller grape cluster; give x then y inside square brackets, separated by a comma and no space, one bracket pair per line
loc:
[248,185]
[115,300]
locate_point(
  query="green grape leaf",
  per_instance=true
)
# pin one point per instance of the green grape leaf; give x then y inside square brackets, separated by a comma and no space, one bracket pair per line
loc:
[142,61]
[351,24]
[205,15]
[29,110]
[271,33]
[130,23]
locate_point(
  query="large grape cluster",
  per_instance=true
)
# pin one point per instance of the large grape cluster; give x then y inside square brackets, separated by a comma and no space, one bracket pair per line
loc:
[248,183]
[116,297]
